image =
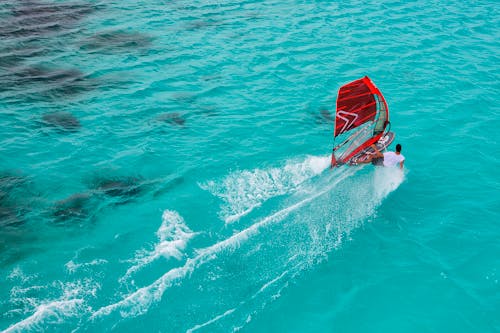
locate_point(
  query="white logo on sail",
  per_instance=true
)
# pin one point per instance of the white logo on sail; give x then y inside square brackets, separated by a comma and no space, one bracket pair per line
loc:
[348,121]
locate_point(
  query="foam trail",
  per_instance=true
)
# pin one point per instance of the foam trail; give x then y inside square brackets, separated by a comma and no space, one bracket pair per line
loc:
[47,315]
[243,191]
[387,180]
[139,302]
[73,267]
[230,311]
[17,273]
[357,199]
[211,321]
[265,286]
[173,236]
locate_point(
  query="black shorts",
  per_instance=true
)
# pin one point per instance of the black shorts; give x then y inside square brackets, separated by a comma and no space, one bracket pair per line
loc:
[378,161]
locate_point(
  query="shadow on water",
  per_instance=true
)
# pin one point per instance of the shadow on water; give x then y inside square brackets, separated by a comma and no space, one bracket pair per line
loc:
[324,116]
[116,41]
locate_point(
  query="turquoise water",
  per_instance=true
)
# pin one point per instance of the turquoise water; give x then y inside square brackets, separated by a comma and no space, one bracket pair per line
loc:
[164,167]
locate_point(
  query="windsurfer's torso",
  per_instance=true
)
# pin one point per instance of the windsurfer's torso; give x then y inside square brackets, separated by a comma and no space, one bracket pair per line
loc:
[392,159]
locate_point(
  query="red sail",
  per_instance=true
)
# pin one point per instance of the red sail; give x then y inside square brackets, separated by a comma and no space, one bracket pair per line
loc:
[356,104]
[359,102]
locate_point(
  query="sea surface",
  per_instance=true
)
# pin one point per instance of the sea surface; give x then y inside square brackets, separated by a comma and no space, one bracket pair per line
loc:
[164,167]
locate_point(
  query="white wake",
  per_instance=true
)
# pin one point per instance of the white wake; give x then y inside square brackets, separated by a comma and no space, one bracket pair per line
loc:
[242,191]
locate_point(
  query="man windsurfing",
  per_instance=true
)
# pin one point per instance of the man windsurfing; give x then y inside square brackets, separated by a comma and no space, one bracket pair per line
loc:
[361,119]
[390,158]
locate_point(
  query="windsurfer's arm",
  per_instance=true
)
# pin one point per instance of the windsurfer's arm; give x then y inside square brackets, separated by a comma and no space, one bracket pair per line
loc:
[401,164]
[377,152]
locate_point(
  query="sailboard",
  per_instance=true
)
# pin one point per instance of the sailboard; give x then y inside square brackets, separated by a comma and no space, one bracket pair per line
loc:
[361,119]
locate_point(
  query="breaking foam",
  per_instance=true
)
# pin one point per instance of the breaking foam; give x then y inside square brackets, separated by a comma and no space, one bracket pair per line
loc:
[51,312]
[72,266]
[47,315]
[172,235]
[243,191]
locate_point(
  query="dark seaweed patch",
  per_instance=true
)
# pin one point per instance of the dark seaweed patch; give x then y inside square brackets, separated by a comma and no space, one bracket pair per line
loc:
[43,83]
[14,190]
[30,9]
[47,76]
[116,41]
[34,19]
[31,20]
[9,182]
[118,188]
[185,97]
[174,118]
[9,216]
[168,186]
[15,56]
[122,187]
[196,25]
[75,207]
[61,120]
